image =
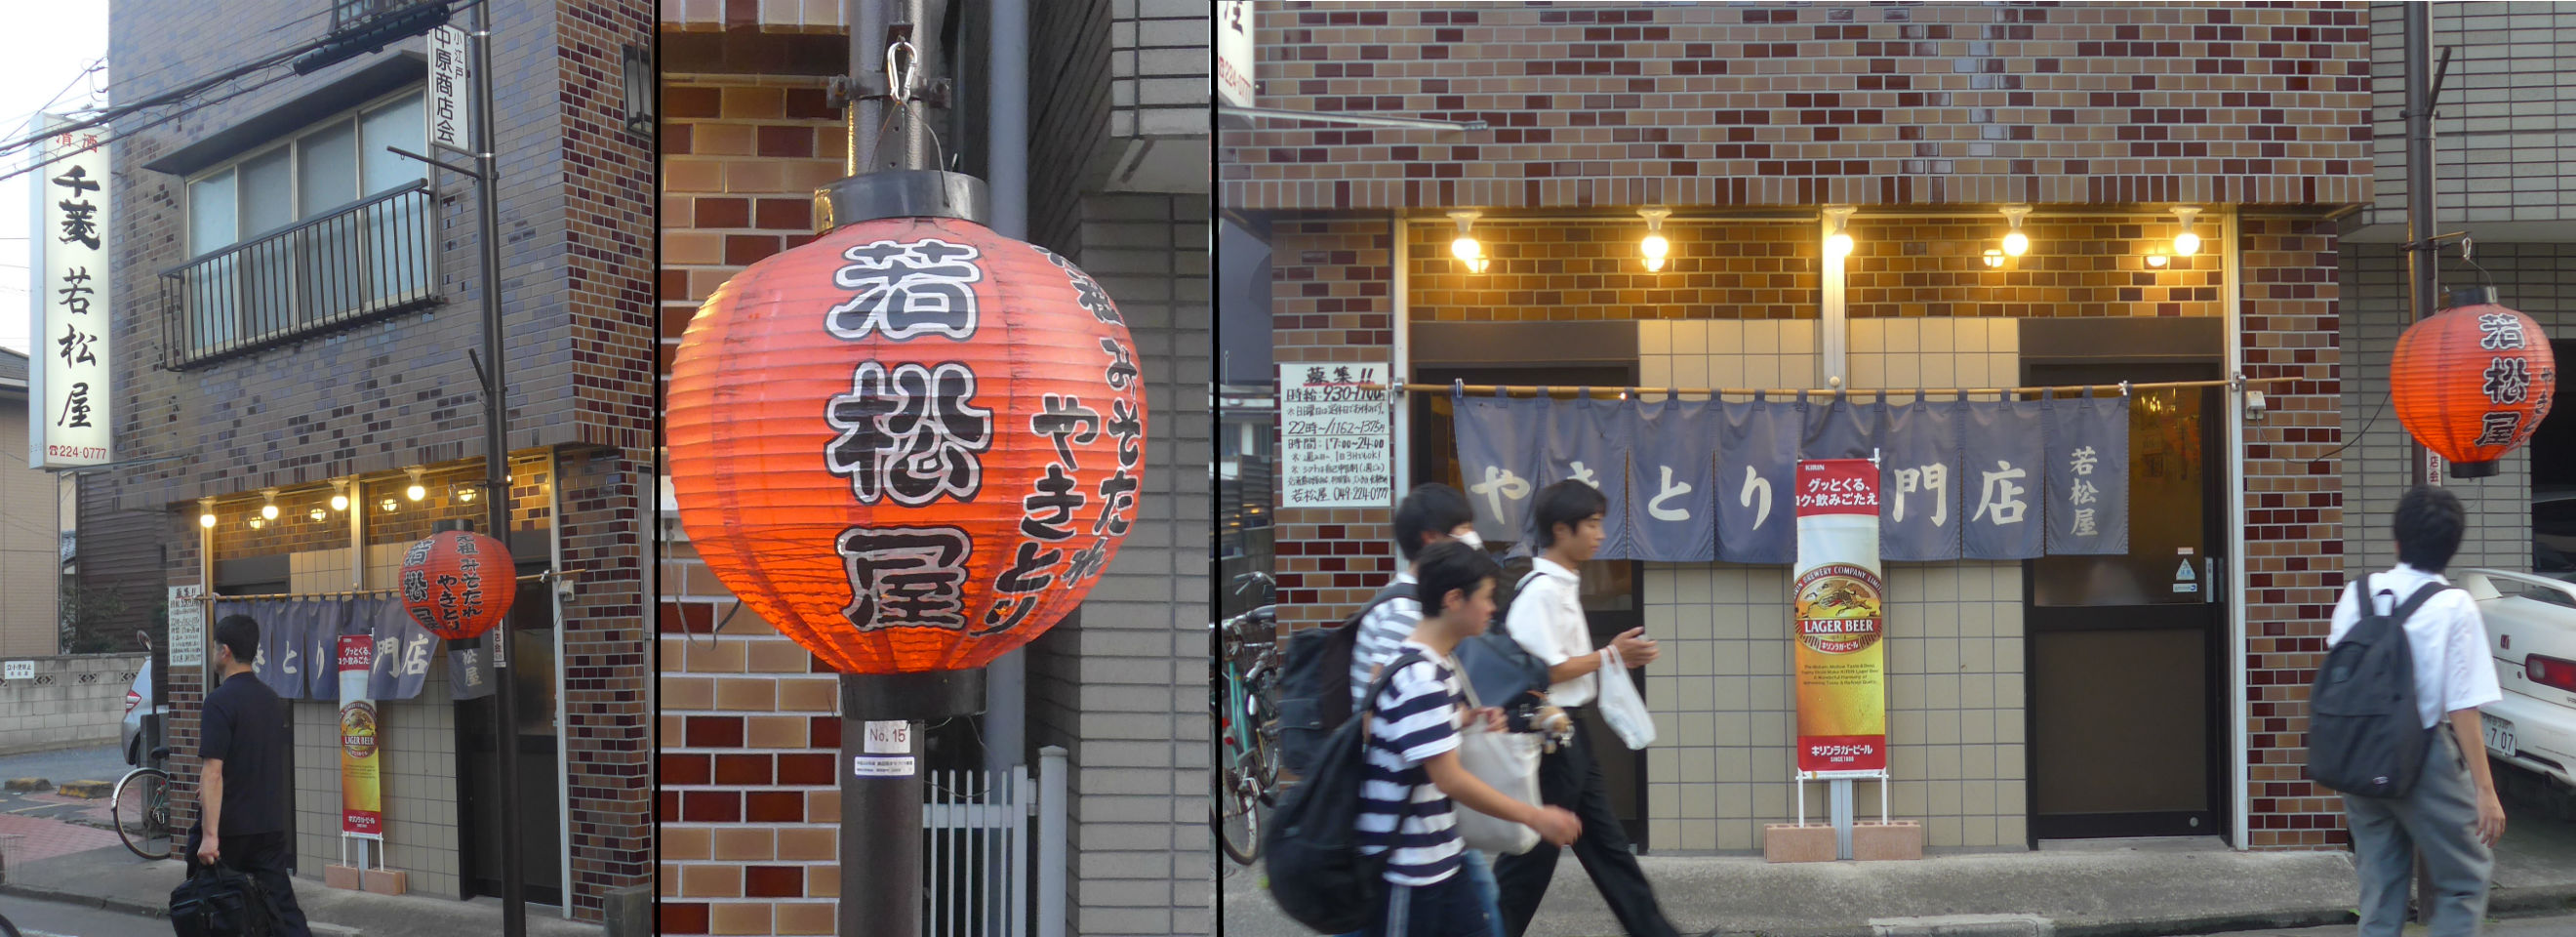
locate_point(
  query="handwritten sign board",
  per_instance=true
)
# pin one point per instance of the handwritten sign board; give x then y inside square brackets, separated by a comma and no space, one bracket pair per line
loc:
[1336,436]
[187,627]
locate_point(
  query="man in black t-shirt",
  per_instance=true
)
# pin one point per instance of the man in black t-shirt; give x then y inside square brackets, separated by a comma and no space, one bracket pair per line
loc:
[244,792]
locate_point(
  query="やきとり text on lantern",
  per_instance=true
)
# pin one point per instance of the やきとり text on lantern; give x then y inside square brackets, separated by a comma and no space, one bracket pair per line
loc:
[458,584]
[2473,381]
[913,444]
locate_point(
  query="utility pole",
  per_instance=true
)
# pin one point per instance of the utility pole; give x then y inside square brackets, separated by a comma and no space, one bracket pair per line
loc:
[2420,245]
[496,468]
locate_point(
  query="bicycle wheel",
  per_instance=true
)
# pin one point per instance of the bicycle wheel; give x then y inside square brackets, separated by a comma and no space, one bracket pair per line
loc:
[1236,819]
[8,929]
[141,812]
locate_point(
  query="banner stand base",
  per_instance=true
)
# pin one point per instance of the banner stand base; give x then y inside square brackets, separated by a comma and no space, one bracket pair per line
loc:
[1843,837]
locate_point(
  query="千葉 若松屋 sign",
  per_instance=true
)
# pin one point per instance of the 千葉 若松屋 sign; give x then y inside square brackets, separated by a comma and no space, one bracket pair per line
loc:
[68,404]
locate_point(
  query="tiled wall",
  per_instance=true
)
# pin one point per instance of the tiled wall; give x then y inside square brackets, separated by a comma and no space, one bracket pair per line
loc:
[1556,271]
[2539,280]
[1329,303]
[2497,149]
[1777,104]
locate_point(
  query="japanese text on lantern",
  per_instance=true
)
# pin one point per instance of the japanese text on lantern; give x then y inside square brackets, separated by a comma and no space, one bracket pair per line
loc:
[1048,510]
[1336,436]
[910,432]
[69,413]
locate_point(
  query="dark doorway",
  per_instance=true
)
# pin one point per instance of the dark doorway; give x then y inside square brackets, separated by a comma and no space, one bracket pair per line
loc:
[2553,488]
[1613,591]
[2125,655]
[534,673]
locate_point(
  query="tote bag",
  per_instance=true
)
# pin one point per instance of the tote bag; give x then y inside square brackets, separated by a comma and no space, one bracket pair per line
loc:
[1509,762]
[1621,707]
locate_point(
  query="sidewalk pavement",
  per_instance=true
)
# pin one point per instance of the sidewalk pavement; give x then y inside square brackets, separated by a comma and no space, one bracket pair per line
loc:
[2134,888]
[115,879]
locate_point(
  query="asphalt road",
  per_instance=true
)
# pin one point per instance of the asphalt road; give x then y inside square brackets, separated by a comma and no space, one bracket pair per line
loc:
[102,763]
[49,919]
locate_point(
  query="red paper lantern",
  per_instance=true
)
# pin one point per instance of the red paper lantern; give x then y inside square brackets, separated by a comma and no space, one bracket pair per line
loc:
[2473,381]
[459,584]
[911,445]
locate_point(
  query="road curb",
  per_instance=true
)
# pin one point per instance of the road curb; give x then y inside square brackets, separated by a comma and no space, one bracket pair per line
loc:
[2175,925]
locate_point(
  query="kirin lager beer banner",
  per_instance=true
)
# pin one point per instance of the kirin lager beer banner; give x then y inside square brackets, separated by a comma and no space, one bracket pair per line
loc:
[1839,619]
[361,786]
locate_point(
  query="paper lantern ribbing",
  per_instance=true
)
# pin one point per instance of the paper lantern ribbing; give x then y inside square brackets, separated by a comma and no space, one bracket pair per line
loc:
[459,584]
[912,445]
[2472,382]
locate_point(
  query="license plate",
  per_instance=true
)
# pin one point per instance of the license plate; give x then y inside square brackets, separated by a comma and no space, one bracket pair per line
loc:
[2499,735]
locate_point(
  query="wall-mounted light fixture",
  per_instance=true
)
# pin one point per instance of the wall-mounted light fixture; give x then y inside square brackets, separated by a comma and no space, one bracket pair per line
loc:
[2185,243]
[2015,242]
[1470,252]
[417,491]
[339,494]
[2157,257]
[1839,244]
[318,515]
[640,109]
[1994,258]
[389,505]
[268,510]
[206,513]
[464,494]
[1654,248]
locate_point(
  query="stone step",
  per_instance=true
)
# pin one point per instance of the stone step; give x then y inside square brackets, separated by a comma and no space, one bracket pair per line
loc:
[23,785]
[91,790]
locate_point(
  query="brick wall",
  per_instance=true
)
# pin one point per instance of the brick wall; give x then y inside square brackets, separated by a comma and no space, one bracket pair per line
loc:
[2294,525]
[1769,104]
[1331,280]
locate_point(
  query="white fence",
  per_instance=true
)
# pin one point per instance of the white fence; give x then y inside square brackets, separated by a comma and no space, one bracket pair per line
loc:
[976,855]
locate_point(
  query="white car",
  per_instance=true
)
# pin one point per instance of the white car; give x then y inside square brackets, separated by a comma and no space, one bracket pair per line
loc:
[2531,631]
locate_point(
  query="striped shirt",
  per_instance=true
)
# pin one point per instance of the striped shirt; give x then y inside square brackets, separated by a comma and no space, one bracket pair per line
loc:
[1416,720]
[1384,627]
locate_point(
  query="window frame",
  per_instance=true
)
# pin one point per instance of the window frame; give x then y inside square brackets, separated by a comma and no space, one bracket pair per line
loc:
[294,173]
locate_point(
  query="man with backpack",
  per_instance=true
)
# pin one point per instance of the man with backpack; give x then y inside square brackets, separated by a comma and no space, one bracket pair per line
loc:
[244,794]
[2432,652]
[1328,666]
[1414,773]
[1547,620]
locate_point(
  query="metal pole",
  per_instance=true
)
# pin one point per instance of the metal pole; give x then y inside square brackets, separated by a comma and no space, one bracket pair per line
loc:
[496,463]
[882,804]
[2419,195]
[866,20]
[1007,169]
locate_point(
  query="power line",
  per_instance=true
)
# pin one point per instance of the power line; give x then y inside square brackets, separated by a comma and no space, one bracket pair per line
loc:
[147,125]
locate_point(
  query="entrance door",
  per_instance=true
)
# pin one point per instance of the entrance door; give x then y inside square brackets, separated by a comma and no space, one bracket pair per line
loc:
[2125,654]
[534,675]
[1613,591]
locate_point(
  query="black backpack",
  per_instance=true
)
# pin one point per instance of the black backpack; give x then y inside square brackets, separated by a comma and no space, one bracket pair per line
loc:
[1312,852]
[2365,736]
[1503,672]
[1315,685]
[220,902]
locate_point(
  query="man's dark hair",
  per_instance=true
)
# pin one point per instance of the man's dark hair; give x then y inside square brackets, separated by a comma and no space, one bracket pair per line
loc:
[1431,509]
[1452,566]
[240,635]
[1567,502]
[2428,522]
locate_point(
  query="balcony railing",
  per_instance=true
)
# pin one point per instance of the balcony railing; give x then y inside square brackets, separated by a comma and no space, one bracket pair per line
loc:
[372,258]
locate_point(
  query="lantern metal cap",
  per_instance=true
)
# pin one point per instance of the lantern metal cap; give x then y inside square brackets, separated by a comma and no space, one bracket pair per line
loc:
[901,193]
[2486,469]
[2471,296]
[888,697]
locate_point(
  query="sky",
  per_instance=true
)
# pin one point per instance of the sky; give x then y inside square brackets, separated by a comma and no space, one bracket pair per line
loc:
[38,59]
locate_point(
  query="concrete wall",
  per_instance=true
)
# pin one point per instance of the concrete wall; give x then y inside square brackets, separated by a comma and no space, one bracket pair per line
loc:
[72,701]
[31,569]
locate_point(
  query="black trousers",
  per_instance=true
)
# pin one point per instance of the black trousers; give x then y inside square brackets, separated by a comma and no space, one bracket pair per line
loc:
[1569,778]
[269,859]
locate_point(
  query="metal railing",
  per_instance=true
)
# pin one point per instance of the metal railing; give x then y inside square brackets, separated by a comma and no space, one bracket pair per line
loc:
[376,257]
[976,851]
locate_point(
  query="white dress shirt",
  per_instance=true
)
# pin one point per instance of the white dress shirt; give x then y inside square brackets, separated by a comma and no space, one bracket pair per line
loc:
[2453,668]
[1547,619]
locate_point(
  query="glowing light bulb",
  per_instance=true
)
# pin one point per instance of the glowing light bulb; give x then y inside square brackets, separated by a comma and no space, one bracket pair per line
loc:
[206,520]
[2186,244]
[1839,246]
[1466,248]
[415,492]
[268,512]
[1656,249]
[2016,243]
[339,502]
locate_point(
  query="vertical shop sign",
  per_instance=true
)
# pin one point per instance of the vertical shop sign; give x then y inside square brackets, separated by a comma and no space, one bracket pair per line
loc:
[2088,477]
[1587,440]
[1839,619]
[361,785]
[1672,515]
[447,95]
[1918,479]
[1234,55]
[1497,440]
[1757,449]
[2001,482]
[1336,436]
[187,627]
[68,409]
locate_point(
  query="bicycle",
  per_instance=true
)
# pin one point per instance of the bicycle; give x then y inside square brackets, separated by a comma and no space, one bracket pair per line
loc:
[141,809]
[1247,722]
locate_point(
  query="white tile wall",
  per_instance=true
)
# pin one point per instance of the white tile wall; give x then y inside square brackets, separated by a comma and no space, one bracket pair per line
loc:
[1724,712]
[2505,117]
